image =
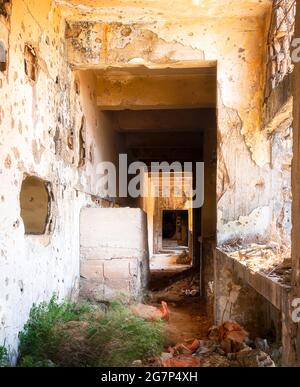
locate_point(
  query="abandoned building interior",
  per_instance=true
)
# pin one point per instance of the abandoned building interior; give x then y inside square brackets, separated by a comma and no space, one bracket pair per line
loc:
[199,81]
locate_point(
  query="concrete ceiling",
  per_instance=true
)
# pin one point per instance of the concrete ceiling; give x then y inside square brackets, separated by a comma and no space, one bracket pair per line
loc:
[159,147]
[165,135]
[168,8]
[165,121]
[141,88]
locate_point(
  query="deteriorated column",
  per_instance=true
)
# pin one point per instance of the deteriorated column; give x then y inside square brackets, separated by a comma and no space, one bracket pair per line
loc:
[291,335]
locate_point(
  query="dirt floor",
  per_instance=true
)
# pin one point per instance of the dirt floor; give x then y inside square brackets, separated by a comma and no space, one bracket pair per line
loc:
[188,316]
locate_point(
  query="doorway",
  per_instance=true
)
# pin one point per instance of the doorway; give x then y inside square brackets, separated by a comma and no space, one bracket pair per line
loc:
[175,229]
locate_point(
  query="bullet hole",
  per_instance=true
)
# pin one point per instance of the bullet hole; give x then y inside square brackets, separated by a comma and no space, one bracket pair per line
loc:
[70,140]
[82,150]
[30,62]
[77,87]
[21,286]
[91,154]
[3,64]
[8,162]
[35,205]
[57,142]
[126,31]
[16,224]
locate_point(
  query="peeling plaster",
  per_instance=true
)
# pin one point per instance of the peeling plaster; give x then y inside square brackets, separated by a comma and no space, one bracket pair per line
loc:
[41,130]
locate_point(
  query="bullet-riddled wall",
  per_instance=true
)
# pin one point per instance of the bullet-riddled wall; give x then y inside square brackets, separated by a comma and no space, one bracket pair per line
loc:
[50,130]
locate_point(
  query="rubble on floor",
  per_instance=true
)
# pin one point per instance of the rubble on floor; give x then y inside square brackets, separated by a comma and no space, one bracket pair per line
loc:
[178,291]
[273,259]
[184,258]
[225,346]
[151,313]
[193,342]
[231,335]
[182,361]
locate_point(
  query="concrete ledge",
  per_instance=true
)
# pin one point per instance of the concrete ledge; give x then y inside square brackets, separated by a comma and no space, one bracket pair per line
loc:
[271,290]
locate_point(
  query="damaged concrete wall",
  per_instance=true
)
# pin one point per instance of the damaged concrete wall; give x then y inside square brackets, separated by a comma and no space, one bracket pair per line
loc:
[51,128]
[246,207]
[292,329]
[248,298]
[239,285]
[279,43]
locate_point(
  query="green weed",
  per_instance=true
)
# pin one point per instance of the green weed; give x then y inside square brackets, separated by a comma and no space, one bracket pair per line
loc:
[67,334]
[4,360]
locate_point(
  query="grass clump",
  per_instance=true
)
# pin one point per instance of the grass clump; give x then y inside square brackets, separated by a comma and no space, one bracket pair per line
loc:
[40,338]
[4,359]
[124,337]
[67,334]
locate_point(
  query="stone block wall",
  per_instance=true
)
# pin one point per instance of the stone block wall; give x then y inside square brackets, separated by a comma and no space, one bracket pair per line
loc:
[114,253]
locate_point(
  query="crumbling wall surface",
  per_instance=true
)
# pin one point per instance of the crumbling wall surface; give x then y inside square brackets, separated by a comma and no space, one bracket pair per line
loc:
[236,299]
[292,328]
[48,125]
[247,204]
[114,253]
[278,107]
[5,11]
[279,42]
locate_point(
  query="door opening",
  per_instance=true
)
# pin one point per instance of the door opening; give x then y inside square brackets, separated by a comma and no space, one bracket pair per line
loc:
[175,230]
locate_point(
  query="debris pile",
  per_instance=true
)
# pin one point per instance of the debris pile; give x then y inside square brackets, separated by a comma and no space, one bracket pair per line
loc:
[179,290]
[283,272]
[181,361]
[184,258]
[272,260]
[225,346]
